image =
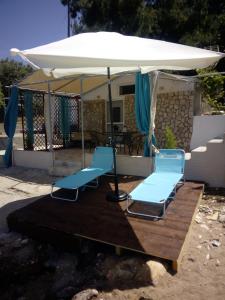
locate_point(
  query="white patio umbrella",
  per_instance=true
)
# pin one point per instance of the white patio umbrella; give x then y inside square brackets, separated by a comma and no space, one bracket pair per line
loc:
[108,49]
[105,52]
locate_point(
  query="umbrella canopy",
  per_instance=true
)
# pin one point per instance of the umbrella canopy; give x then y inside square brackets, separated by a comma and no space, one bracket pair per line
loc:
[91,53]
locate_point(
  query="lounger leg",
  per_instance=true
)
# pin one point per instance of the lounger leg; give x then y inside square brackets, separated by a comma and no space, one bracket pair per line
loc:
[145,215]
[65,199]
[95,186]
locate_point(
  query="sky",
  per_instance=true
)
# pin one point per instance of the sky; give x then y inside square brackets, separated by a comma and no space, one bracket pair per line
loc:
[26,24]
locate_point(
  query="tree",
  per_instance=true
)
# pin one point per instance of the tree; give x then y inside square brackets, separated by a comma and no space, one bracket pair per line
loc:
[11,72]
[192,22]
[108,15]
[213,89]
[2,102]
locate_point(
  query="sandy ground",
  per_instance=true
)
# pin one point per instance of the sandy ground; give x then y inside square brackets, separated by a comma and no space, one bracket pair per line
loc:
[202,270]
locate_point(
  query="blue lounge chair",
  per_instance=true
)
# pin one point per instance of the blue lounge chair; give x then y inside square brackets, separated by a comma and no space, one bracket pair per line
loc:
[161,185]
[102,162]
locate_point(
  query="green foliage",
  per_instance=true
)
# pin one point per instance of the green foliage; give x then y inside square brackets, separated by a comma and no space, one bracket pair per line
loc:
[171,142]
[10,72]
[213,89]
[193,22]
[1,97]
[108,15]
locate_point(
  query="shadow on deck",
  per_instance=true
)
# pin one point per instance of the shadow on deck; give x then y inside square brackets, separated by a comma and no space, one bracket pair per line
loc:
[94,218]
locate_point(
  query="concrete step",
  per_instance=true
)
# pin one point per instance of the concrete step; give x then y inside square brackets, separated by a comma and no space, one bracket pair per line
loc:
[216,142]
[3,142]
[199,150]
[2,164]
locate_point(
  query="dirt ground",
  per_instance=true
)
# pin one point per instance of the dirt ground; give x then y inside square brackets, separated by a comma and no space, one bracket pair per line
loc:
[202,270]
[30,270]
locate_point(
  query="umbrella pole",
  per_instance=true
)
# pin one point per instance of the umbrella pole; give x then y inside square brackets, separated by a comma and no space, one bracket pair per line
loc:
[117,195]
[82,122]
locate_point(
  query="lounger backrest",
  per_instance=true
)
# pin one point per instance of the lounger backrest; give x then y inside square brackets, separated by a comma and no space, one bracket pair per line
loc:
[170,160]
[103,158]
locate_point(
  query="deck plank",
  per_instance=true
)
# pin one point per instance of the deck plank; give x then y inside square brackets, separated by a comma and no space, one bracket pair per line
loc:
[95,218]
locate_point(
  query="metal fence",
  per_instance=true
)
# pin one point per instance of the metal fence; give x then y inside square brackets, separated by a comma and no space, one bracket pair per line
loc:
[44,127]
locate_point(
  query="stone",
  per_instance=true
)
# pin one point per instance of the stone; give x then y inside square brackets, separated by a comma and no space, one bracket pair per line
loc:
[66,293]
[204,226]
[213,217]
[9,238]
[65,272]
[198,218]
[207,256]
[128,270]
[85,295]
[221,199]
[221,218]
[205,209]
[215,243]
[217,262]
[157,269]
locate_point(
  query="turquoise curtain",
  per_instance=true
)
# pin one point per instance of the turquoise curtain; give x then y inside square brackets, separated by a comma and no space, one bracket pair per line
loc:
[65,119]
[142,107]
[28,111]
[10,124]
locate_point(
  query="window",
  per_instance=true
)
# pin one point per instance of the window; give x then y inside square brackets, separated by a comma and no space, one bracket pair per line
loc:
[127,89]
[117,113]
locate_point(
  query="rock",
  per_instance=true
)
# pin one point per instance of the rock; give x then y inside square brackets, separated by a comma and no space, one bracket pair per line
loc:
[66,274]
[221,218]
[157,269]
[9,238]
[205,209]
[222,211]
[24,242]
[66,293]
[198,218]
[213,217]
[85,295]
[215,243]
[217,262]
[124,272]
[204,226]
[191,259]
[220,199]
[208,256]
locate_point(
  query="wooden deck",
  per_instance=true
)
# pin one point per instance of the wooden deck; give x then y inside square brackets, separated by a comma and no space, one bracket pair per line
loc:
[95,218]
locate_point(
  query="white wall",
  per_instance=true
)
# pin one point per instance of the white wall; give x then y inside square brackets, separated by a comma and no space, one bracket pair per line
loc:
[134,165]
[166,84]
[207,164]
[127,165]
[33,159]
[206,128]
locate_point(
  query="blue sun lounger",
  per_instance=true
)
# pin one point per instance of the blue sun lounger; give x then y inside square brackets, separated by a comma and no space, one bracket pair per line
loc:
[161,185]
[102,163]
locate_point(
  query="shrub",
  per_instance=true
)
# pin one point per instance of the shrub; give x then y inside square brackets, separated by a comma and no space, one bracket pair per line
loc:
[171,142]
